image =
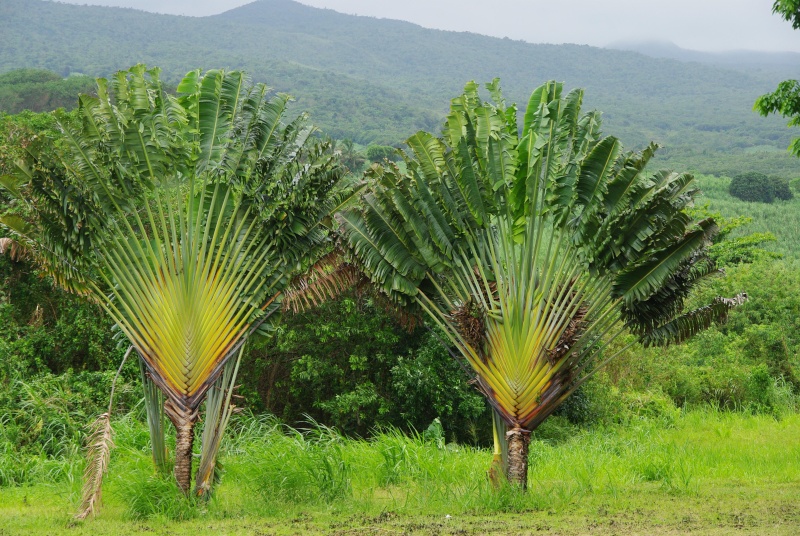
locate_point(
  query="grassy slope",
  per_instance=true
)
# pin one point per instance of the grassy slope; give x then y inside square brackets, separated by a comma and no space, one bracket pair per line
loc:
[705,472]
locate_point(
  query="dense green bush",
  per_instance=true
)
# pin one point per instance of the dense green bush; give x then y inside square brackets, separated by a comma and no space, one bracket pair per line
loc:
[757,187]
[782,188]
[348,364]
[44,419]
[45,330]
[40,90]
[751,362]
[378,153]
[57,361]
[751,187]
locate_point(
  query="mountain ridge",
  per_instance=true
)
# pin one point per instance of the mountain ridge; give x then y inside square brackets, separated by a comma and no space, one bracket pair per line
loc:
[379,80]
[744,60]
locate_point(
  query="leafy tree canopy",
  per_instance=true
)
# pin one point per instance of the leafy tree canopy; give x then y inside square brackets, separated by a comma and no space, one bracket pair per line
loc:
[757,187]
[789,10]
[785,100]
[378,153]
[40,90]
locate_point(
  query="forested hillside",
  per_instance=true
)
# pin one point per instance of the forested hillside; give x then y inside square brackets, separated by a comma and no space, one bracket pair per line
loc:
[378,81]
[766,64]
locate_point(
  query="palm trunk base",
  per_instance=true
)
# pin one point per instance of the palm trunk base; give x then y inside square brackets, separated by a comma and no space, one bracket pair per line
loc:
[184,421]
[518,441]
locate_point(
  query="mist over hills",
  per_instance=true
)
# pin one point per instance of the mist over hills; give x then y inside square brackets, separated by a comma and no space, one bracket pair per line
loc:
[767,64]
[378,81]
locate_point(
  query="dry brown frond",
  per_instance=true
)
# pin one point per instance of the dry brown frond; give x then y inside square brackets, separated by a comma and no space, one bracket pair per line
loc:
[99,444]
[470,320]
[16,251]
[492,287]
[325,280]
[570,335]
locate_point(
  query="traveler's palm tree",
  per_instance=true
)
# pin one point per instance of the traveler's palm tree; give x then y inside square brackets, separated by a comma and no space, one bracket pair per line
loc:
[533,250]
[184,216]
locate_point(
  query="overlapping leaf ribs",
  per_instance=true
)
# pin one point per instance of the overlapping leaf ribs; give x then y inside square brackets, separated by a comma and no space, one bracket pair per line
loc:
[533,249]
[184,216]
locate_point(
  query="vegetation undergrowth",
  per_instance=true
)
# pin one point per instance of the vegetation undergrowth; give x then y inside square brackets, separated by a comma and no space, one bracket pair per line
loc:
[274,472]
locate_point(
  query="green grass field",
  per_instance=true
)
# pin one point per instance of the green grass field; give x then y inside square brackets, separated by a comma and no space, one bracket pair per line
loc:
[707,473]
[781,218]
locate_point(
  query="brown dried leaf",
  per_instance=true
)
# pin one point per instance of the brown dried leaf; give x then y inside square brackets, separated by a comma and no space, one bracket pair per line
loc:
[99,445]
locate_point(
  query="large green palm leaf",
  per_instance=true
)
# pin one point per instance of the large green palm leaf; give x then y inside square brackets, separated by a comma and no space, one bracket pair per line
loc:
[185,216]
[533,249]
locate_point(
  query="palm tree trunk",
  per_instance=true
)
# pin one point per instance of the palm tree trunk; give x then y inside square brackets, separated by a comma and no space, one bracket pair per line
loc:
[183,455]
[518,441]
[184,420]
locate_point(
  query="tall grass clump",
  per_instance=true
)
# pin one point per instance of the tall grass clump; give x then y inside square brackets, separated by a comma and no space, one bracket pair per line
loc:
[43,425]
[279,472]
[657,449]
[17,469]
[419,472]
[145,493]
[154,496]
[317,467]
[291,466]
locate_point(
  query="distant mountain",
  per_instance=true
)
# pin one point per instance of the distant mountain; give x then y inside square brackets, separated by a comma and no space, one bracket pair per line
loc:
[378,80]
[746,60]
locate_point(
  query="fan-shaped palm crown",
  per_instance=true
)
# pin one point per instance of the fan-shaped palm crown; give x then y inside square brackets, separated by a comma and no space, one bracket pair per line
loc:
[533,249]
[184,216]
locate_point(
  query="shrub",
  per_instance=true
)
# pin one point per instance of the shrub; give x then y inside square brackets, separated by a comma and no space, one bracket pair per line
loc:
[769,395]
[757,187]
[377,153]
[781,188]
[348,364]
[653,405]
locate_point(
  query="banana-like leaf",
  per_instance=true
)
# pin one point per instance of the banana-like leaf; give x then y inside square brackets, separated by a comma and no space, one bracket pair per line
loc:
[689,324]
[640,282]
[532,250]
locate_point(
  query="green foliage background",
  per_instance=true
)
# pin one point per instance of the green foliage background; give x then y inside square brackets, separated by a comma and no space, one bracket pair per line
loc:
[348,364]
[41,90]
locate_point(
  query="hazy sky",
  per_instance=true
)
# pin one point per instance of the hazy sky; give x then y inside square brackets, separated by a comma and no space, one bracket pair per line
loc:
[695,24]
